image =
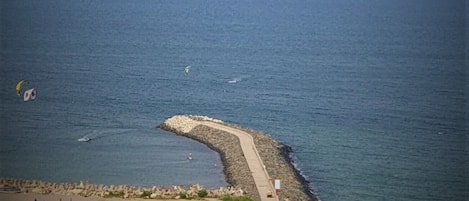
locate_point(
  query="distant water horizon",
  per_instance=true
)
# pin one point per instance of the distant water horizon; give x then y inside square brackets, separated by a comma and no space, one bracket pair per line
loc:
[371,96]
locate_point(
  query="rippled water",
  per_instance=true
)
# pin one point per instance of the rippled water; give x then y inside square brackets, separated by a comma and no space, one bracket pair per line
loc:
[370,95]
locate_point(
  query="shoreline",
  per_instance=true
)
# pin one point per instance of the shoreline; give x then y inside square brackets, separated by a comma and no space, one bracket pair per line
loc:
[10,186]
[285,152]
[276,156]
[57,197]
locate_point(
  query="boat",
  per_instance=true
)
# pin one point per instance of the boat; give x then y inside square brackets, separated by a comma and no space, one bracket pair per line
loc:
[84,139]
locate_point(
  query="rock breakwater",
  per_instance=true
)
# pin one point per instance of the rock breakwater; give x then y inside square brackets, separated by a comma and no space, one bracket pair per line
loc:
[236,168]
[86,189]
[275,156]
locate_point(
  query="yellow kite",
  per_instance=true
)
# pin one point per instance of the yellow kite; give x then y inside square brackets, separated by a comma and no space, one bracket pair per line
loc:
[19,85]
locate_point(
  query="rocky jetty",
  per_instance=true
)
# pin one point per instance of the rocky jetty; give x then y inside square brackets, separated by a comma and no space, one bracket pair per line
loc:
[227,145]
[275,156]
[86,189]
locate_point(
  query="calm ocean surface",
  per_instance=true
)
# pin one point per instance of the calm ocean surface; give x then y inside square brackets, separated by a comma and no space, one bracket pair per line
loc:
[371,95]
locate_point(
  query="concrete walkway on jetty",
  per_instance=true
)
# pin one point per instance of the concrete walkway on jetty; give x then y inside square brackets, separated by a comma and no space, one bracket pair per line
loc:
[259,173]
[263,183]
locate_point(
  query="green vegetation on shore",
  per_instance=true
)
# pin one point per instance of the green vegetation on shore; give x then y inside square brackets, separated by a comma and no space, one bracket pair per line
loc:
[119,194]
[229,198]
[201,194]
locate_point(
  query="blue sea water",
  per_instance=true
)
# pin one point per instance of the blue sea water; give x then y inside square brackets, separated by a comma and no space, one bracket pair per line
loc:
[371,95]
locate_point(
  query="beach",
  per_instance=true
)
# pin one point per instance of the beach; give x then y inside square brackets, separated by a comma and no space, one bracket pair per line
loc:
[51,197]
[56,197]
[9,186]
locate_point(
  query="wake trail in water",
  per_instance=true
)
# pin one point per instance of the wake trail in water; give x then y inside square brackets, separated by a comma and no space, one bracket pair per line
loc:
[238,79]
[99,134]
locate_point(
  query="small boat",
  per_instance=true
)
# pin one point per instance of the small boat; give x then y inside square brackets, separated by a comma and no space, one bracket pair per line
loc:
[84,139]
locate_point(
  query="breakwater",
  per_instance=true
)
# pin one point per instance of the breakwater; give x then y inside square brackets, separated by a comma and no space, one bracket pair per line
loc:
[275,156]
[86,189]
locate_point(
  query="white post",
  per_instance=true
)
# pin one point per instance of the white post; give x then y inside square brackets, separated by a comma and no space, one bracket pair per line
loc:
[277,186]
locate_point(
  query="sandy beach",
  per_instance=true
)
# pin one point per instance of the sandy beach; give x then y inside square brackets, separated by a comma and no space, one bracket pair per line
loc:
[56,197]
[51,197]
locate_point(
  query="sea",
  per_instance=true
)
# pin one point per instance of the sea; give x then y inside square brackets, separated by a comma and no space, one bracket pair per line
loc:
[370,95]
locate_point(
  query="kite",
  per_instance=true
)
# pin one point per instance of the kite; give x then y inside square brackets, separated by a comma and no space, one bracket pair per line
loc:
[19,85]
[30,95]
[187,69]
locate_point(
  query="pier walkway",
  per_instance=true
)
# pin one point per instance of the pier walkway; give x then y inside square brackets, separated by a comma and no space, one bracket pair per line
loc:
[259,173]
